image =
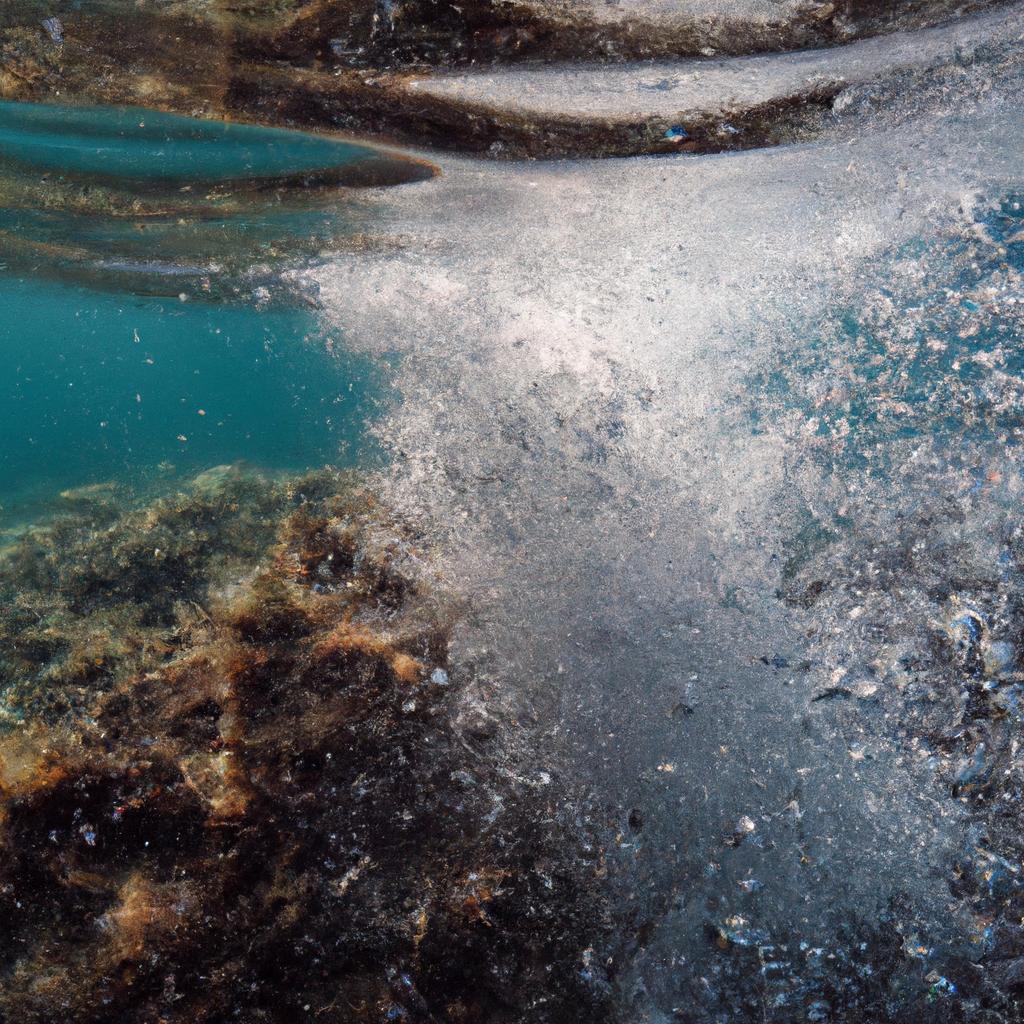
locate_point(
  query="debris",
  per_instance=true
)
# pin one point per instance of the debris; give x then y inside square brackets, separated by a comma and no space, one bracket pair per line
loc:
[54,29]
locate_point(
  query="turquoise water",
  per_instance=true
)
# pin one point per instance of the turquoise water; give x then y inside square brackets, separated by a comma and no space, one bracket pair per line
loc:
[206,251]
[148,146]
[146,340]
[934,355]
[105,386]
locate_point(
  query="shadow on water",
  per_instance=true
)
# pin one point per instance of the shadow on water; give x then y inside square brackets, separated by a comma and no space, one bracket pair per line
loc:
[145,326]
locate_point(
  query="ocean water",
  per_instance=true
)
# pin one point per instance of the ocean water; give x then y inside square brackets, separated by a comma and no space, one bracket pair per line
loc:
[157,149]
[103,385]
[143,327]
[928,350]
[151,146]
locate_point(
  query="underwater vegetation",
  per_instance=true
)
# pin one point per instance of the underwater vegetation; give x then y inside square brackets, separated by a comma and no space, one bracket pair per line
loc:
[237,782]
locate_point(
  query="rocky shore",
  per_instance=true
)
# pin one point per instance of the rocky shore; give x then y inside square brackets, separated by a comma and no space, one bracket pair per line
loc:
[238,781]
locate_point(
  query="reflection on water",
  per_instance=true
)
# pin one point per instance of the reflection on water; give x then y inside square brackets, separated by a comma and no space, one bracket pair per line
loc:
[143,326]
[154,148]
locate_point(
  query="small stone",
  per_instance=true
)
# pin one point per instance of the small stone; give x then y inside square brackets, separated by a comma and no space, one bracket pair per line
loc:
[999,657]
[54,28]
[480,726]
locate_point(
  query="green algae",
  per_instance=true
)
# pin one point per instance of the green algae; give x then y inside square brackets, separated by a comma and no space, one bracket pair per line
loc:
[84,621]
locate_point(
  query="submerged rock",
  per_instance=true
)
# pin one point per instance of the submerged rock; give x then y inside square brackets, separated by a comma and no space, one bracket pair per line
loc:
[346,65]
[923,557]
[247,804]
[54,29]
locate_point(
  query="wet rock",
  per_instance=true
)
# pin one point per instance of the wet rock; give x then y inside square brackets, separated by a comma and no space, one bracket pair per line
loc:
[234,813]
[478,725]
[348,65]
[999,657]
[972,771]
[54,29]
[967,632]
[1010,974]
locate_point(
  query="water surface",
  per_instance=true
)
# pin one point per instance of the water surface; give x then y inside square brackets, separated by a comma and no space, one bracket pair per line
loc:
[157,148]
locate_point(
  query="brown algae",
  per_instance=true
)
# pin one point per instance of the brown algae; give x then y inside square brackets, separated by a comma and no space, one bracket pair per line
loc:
[234,784]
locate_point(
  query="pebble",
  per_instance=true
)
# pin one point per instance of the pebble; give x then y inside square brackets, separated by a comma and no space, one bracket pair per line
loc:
[999,657]
[54,29]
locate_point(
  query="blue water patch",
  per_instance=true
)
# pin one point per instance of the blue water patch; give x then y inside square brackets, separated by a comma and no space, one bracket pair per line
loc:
[132,143]
[107,386]
[209,251]
[934,348]
[145,327]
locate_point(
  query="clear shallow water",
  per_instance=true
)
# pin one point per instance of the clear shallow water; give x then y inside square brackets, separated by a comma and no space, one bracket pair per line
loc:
[141,330]
[104,385]
[930,350]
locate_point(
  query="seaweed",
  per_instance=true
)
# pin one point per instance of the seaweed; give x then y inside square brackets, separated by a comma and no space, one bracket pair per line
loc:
[261,801]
